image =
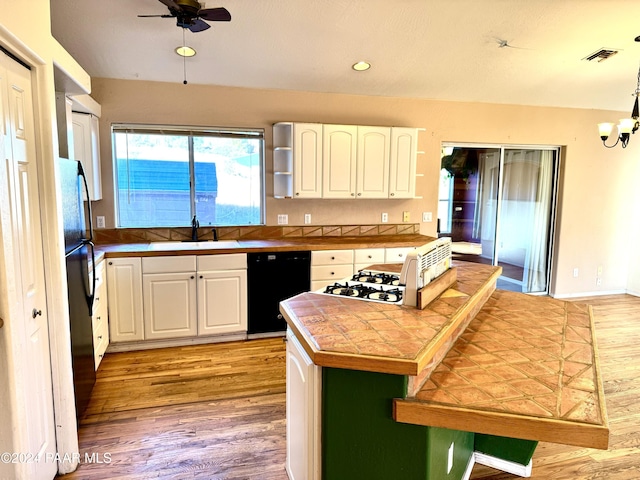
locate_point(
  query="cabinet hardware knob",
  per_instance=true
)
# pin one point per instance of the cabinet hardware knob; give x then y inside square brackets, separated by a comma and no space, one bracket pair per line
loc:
[110,263]
[359,194]
[297,194]
[333,273]
[333,258]
[97,299]
[35,312]
[369,256]
[201,276]
[98,318]
[392,194]
[280,316]
[353,194]
[193,276]
[101,355]
[99,337]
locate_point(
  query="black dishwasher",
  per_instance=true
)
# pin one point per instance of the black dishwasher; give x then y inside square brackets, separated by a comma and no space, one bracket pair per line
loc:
[271,278]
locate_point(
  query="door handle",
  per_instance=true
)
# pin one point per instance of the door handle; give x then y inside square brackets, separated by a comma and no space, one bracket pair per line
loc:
[35,312]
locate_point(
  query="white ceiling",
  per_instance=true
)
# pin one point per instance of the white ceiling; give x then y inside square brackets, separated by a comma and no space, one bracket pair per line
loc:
[436,49]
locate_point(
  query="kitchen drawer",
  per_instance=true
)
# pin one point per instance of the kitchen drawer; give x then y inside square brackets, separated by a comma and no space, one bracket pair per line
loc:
[176,264]
[369,256]
[332,257]
[396,254]
[232,261]
[331,272]
[100,325]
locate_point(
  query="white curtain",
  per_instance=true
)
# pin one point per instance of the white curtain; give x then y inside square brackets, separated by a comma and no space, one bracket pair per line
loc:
[538,261]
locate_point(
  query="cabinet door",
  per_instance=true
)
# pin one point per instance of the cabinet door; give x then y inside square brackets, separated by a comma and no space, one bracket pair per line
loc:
[402,169]
[124,287]
[222,302]
[307,160]
[303,413]
[372,171]
[339,144]
[86,149]
[169,305]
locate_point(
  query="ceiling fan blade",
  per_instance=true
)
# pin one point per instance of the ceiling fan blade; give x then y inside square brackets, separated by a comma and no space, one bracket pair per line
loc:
[158,16]
[219,14]
[198,26]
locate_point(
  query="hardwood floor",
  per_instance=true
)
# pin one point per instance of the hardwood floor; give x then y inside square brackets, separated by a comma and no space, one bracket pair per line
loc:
[218,411]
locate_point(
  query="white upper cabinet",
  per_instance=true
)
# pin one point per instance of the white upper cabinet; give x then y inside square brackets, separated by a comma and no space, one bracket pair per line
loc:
[339,146]
[86,149]
[372,166]
[402,170]
[313,160]
[307,160]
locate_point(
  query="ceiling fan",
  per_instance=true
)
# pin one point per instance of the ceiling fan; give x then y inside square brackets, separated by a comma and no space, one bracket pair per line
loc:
[189,14]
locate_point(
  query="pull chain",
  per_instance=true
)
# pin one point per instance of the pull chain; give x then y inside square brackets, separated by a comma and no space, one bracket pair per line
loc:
[184,58]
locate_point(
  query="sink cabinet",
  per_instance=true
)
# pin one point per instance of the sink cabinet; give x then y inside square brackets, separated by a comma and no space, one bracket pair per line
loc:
[169,292]
[222,294]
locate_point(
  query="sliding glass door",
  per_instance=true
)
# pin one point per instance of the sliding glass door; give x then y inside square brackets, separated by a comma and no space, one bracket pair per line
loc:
[497,204]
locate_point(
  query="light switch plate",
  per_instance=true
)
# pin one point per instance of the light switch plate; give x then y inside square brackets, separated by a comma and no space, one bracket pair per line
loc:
[385,217]
[406,216]
[283,219]
[100,221]
[427,217]
[307,218]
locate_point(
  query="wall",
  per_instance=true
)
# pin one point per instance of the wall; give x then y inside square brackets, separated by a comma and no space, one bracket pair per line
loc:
[595,204]
[31,41]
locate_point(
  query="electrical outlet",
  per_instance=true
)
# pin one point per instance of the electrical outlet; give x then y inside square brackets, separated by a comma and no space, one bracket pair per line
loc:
[307,218]
[385,217]
[450,459]
[406,216]
[100,221]
[427,217]
[283,219]
[575,273]
[599,282]
[600,270]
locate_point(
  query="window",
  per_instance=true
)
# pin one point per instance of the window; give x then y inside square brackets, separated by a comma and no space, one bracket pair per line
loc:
[165,175]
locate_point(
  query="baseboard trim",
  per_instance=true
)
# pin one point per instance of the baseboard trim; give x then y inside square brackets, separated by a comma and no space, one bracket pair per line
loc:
[174,342]
[503,465]
[598,293]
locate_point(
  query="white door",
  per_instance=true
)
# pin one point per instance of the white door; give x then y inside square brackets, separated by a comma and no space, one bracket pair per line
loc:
[222,302]
[169,305]
[29,327]
[372,171]
[339,144]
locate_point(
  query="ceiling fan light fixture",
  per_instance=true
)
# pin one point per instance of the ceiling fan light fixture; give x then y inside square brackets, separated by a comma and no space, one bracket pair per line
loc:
[361,66]
[185,51]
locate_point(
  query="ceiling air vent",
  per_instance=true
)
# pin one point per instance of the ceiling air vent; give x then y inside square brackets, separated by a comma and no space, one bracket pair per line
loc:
[601,55]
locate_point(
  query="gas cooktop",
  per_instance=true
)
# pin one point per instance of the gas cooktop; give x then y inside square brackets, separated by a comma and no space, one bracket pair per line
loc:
[369,285]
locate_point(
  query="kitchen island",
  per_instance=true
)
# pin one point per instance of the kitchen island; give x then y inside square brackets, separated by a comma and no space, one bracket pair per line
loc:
[477,376]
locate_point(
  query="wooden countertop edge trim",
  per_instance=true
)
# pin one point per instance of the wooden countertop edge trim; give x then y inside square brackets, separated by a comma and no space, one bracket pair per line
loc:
[488,287]
[596,366]
[501,424]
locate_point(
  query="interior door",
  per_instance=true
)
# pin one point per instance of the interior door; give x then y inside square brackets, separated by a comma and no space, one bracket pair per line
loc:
[29,327]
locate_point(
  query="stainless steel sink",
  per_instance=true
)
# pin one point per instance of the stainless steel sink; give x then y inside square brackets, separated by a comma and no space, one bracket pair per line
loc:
[205,245]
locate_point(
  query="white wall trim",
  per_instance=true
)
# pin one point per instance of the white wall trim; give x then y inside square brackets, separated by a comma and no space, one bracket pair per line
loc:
[589,294]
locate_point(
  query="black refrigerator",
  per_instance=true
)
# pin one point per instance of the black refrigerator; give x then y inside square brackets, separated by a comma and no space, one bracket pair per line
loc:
[78,236]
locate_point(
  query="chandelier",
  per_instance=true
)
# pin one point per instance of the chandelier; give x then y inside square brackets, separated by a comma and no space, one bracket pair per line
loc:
[626,127]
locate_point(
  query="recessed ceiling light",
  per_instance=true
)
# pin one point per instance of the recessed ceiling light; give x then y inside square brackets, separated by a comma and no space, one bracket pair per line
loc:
[361,66]
[185,51]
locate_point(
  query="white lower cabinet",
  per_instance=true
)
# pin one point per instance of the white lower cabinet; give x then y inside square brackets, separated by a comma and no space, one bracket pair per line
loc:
[99,319]
[330,266]
[169,305]
[173,297]
[304,390]
[396,254]
[222,301]
[365,257]
[124,287]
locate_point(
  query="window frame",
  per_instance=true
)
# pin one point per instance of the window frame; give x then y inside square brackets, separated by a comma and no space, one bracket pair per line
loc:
[190,132]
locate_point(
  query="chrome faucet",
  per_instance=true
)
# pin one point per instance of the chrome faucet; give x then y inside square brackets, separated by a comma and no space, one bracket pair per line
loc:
[194,229]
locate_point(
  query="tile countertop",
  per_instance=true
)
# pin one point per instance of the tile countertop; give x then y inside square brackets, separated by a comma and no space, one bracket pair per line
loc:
[346,333]
[273,245]
[526,367]
[494,362]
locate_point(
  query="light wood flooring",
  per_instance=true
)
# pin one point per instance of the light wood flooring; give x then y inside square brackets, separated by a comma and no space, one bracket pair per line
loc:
[218,411]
